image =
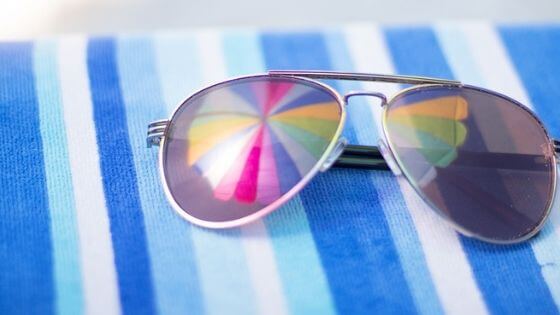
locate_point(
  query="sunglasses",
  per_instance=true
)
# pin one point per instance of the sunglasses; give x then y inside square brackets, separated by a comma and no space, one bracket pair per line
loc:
[239,149]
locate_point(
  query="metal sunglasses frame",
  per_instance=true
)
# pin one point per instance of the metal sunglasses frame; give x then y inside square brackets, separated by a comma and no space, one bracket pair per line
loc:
[343,155]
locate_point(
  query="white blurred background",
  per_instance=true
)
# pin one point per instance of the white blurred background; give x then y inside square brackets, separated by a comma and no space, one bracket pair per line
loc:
[37,18]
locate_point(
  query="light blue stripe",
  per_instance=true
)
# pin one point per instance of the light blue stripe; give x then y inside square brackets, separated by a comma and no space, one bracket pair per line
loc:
[395,209]
[67,273]
[169,242]
[223,271]
[224,277]
[305,284]
[306,289]
[180,76]
[243,53]
[546,245]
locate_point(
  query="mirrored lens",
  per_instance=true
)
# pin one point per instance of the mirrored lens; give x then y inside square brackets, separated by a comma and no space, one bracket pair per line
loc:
[239,147]
[480,159]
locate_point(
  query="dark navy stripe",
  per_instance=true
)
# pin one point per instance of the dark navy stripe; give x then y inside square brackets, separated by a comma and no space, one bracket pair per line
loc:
[119,180]
[509,277]
[354,240]
[26,264]
[535,52]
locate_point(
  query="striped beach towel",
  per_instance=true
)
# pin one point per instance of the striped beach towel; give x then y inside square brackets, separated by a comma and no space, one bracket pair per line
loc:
[85,226]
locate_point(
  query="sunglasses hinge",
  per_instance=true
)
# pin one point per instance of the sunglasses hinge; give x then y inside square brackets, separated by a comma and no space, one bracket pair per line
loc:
[156,132]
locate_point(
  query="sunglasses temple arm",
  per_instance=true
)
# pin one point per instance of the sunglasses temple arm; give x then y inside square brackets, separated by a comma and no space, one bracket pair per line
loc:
[362,157]
[370,157]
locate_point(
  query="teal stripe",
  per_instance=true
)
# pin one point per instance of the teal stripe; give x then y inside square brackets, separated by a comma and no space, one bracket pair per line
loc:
[224,278]
[395,209]
[67,273]
[306,289]
[169,242]
[546,244]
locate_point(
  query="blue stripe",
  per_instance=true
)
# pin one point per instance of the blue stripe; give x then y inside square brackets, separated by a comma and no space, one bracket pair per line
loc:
[306,289]
[26,264]
[119,180]
[170,244]
[509,276]
[64,228]
[535,52]
[392,200]
[354,240]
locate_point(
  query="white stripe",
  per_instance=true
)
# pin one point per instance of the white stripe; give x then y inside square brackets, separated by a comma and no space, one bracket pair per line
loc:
[254,239]
[448,264]
[212,61]
[96,250]
[262,268]
[492,61]
[498,72]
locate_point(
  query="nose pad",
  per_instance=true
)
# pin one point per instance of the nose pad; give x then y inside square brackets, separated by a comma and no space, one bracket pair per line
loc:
[335,153]
[389,158]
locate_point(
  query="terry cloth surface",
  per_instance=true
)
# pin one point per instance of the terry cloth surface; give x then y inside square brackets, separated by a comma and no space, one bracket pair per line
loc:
[85,226]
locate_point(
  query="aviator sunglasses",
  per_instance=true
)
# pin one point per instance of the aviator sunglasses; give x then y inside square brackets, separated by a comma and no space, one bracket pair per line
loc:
[239,149]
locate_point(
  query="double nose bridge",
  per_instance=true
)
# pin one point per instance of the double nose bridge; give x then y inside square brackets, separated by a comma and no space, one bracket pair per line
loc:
[378,95]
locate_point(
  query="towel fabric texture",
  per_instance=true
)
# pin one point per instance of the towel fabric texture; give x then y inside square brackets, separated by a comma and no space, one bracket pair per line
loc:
[85,226]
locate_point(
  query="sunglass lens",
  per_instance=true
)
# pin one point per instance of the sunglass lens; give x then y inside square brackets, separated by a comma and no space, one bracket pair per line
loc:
[480,159]
[238,149]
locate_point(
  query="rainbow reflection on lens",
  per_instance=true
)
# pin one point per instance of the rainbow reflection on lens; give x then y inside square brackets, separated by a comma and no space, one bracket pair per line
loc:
[480,159]
[237,147]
